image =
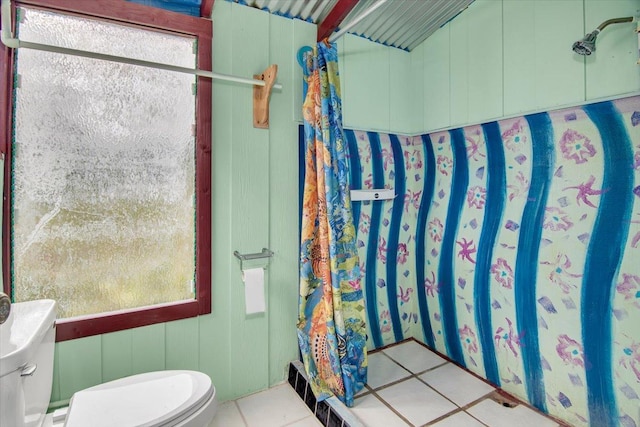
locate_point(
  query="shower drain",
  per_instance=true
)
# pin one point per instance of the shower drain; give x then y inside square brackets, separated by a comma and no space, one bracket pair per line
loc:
[503,399]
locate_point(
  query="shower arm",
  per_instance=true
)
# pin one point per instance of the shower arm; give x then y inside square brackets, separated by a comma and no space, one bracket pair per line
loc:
[615,21]
[587,44]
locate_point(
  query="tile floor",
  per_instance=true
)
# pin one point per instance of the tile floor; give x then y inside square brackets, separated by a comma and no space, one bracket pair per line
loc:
[409,385]
[277,407]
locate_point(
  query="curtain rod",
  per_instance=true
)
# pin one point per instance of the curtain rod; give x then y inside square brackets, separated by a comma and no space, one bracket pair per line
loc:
[12,42]
[356,21]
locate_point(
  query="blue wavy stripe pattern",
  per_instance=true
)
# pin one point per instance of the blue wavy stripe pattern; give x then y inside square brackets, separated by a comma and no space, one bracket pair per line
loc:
[604,256]
[527,257]
[460,183]
[429,182]
[493,211]
[372,246]
[355,173]
[394,235]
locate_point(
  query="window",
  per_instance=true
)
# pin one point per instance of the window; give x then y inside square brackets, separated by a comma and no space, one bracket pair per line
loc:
[108,167]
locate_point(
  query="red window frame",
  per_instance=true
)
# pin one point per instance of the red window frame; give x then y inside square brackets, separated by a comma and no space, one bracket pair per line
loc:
[121,11]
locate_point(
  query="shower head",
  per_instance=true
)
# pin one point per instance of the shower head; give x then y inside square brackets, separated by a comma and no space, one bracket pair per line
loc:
[587,45]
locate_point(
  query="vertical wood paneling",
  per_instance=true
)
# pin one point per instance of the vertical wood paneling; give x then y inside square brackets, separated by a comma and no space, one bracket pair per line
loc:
[250,188]
[401,91]
[147,349]
[79,364]
[537,42]
[556,27]
[182,344]
[485,60]
[343,70]
[459,68]
[437,90]
[283,195]
[215,330]
[612,69]
[366,80]
[117,355]
[55,387]
[520,38]
[523,59]
[417,103]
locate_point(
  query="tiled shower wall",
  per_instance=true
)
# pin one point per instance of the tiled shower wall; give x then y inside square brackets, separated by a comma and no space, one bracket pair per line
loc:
[513,248]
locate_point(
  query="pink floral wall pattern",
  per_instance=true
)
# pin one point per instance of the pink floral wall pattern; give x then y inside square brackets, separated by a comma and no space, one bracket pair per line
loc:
[544,250]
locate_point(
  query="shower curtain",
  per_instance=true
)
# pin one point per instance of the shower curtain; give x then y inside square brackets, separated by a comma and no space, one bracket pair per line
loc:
[331,323]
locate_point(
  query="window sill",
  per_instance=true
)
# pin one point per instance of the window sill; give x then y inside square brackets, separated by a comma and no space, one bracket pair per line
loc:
[86,326]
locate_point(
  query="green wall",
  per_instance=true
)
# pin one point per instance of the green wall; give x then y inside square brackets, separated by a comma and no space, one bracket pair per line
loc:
[503,58]
[255,193]
[496,59]
[376,90]
[374,80]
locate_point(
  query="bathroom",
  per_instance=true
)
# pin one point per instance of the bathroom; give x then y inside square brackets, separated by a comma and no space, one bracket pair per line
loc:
[495,60]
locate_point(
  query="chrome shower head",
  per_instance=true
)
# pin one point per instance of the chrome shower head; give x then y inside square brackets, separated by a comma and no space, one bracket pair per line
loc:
[587,44]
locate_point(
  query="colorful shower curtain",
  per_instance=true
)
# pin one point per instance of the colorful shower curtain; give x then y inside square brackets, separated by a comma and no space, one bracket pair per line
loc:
[331,324]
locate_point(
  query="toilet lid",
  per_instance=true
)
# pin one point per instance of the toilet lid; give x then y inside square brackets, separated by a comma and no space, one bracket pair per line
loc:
[144,400]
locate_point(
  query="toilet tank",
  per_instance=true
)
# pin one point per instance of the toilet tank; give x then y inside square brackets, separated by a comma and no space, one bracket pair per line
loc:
[27,341]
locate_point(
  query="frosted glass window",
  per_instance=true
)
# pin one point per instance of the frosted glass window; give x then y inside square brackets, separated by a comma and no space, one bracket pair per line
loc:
[103,193]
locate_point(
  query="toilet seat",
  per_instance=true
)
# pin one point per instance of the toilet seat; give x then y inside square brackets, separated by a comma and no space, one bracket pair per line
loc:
[154,399]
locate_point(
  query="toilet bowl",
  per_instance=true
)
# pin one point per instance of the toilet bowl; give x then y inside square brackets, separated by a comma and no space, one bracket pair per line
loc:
[154,399]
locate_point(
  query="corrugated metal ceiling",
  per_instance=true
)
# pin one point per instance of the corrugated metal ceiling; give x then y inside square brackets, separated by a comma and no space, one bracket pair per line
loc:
[307,10]
[399,23]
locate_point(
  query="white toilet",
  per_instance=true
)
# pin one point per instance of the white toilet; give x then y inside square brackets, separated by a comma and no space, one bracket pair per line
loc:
[154,399]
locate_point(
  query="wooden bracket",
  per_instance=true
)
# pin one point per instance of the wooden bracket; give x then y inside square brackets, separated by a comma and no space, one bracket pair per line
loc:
[261,95]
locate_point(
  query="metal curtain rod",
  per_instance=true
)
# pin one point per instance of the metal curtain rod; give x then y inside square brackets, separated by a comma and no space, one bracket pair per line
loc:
[12,42]
[356,21]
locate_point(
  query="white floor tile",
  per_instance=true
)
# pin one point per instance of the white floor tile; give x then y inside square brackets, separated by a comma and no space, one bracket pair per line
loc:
[276,407]
[414,357]
[362,391]
[227,415]
[416,402]
[310,421]
[496,415]
[382,370]
[457,384]
[460,419]
[373,413]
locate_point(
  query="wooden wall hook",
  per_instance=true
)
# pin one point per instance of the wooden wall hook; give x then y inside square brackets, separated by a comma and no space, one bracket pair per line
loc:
[261,95]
